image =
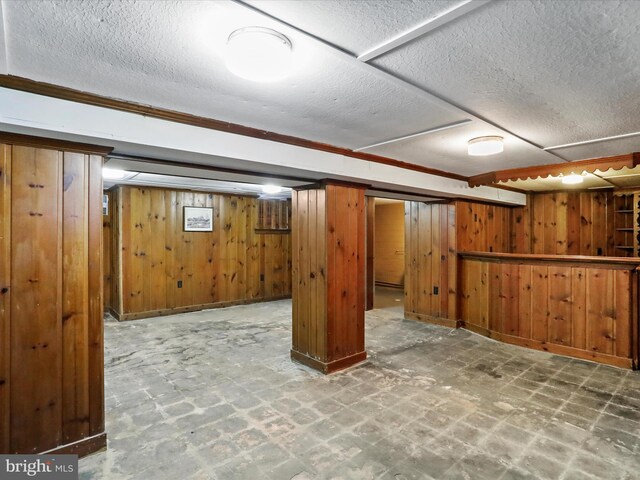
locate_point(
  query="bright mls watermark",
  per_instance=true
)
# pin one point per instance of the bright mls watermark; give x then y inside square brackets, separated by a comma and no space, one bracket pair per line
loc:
[50,467]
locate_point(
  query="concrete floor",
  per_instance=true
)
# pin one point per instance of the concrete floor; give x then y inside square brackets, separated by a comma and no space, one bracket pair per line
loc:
[213,395]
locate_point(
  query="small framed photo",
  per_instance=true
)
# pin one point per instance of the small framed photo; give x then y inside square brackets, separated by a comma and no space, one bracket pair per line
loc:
[198,219]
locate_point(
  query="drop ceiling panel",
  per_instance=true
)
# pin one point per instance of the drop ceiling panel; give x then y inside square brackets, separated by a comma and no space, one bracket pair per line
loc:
[447,150]
[601,149]
[170,54]
[554,72]
[355,26]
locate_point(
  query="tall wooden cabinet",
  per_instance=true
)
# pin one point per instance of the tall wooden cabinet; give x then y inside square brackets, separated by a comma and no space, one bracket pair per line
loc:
[51,330]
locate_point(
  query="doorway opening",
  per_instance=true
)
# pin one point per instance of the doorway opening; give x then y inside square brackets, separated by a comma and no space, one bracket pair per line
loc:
[388,253]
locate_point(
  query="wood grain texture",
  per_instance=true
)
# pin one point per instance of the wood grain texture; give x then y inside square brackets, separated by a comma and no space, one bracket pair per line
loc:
[371,238]
[430,260]
[571,223]
[36,307]
[484,228]
[563,304]
[75,298]
[389,244]
[51,249]
[329,274]
[5,296]
[233,263]
[96,304]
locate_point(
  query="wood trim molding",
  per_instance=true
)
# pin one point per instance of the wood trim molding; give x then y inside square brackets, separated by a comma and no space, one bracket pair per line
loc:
[83,447]
[124,317]
[551,347]
[328,367]
[625,263]
[42,142]
[617,162]
[70,94]
[420,317]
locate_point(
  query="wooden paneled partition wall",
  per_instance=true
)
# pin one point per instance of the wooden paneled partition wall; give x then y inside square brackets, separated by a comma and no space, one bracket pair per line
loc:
[159,269]
[585,307]
[328,275]
[51,330]
[566,223]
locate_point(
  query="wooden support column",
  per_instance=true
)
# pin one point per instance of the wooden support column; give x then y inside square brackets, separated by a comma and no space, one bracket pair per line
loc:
[328,233]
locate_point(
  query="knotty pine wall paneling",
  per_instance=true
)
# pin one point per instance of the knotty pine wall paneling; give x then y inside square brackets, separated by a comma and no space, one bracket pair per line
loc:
[576,308]
[51,359]
[232,264]
[567,223]
[482,227]
[328,227]
[5,297]
[430,262]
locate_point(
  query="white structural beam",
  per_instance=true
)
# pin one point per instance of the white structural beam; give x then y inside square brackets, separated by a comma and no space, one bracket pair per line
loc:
[422,29]
[135,134]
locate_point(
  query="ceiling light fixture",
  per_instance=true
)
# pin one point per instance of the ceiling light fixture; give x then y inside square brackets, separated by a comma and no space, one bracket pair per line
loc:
[572,179]
[259,54]
[113,174]
[271,189]
[483,146]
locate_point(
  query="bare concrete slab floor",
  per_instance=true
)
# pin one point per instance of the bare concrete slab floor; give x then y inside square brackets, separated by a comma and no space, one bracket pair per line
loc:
[213,395]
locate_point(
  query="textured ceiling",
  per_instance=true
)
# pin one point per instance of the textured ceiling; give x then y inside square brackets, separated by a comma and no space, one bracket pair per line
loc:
[553,72]
[354,26]
[549,72]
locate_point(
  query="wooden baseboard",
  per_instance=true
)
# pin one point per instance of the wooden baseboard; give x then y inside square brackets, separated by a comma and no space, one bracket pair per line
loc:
[390,285]
[123,317]
[552,347]
[328,367]
[83,447]
[420,317]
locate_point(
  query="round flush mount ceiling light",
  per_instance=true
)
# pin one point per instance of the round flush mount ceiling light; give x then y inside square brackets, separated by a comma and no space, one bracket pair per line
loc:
[259,54]
[483,146]
[113,174]
[271,189]
[572,179]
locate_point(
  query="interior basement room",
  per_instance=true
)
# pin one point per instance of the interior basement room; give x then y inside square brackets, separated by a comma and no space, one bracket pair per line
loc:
[320,240]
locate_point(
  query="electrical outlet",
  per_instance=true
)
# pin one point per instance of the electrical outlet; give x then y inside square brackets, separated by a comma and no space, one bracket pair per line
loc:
[179,283]
[262,277]
[435,290]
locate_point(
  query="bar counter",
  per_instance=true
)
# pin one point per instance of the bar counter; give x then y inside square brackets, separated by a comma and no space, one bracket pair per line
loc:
[580,306]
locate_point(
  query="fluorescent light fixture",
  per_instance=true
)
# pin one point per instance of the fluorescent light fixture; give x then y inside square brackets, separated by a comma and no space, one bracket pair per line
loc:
[483,146]
[113,174]
[572,179]
[259,54]
[271,189]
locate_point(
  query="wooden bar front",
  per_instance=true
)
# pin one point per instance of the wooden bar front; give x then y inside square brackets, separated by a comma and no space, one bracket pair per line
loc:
[580,306]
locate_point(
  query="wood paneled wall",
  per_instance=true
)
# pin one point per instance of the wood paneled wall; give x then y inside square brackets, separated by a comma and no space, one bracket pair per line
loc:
[232,264]
[430,262]
[582,309]
[482,227]
[329,276]
[51,330]
[567,223]
[389,244]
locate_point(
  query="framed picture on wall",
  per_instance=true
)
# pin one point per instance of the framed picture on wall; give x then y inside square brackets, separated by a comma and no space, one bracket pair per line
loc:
[198,219]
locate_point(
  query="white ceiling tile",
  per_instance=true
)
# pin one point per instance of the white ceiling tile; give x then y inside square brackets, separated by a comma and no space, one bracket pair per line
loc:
[354,26]
[552,72]
[447,150]
[171,56]
[601,149]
